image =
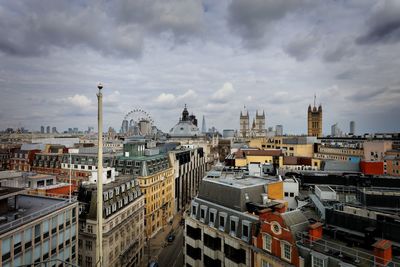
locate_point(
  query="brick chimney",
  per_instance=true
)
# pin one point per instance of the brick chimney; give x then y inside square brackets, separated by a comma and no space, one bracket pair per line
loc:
[315,231]
[382,252]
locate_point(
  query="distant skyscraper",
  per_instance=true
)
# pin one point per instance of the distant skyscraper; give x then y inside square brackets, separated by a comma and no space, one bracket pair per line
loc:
[41,129]
[48,129]
[335,130]
[203,125]
[54,130]
[352,128]
[314,120]
[279,130]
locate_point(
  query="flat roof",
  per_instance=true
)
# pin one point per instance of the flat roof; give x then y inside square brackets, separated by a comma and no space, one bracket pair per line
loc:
[239,182]
[30,207]
[325,188]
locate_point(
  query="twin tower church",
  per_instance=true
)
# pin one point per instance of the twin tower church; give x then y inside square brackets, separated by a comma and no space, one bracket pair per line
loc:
[258,129]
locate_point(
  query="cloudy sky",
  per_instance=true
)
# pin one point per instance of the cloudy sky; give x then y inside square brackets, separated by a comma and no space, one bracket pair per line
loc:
[215,56]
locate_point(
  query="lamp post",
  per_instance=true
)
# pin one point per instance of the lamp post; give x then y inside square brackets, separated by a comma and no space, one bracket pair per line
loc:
[99,238]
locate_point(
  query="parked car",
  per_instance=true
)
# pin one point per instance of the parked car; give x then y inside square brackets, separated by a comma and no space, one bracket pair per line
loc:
[170,238]
[153,264]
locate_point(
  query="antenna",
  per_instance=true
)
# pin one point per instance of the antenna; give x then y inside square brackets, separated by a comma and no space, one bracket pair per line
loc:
[315,97]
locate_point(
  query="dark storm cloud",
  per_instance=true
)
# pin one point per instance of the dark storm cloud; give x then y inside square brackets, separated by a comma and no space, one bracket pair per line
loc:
[33,28]
[301,47]
[251,19]
[346,75]
[363,96]
[383,24]
[335,54]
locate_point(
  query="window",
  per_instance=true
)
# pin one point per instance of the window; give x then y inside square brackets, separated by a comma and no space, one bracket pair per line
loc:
[286,194]
[211,216]
[291,194]
[90,228]
[245,230]
[265,264]
[317,262]
[88,261]
[234,222]
[194,209]
[286,251]
[89,245]
[267,242]
[222,220]
[203,212]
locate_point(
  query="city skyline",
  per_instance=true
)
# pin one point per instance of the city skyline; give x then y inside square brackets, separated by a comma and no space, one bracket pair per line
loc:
[215,57]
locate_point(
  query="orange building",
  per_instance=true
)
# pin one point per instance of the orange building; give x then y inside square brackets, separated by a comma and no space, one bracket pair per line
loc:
[277,236]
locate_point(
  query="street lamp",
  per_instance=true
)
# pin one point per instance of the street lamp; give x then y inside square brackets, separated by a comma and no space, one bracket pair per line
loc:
[99,239]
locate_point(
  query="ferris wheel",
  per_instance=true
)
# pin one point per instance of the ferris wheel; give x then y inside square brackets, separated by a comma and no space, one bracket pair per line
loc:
[137,121]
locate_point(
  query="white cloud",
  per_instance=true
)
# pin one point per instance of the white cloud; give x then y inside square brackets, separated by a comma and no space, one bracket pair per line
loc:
[224,93]
[80,101]
[165,98]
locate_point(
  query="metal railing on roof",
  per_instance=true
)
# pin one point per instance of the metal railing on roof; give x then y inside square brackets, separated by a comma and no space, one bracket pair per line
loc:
[340,251]
[5,227]
[50,262]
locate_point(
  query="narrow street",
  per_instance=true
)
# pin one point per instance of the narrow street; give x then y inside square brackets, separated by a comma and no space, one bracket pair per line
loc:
[172,254]
[166,254]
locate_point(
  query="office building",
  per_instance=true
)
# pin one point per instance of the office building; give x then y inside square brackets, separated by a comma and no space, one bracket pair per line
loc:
[279,130]
[220,227]
[37,229]
[189,168]
[352,128]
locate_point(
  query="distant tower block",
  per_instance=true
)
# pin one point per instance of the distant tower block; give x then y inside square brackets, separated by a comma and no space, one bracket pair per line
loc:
[203,125]
[244,124]
[352,128]
[314,120]
[279,130]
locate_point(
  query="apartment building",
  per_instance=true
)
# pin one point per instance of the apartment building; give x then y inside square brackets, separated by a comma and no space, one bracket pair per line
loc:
[37,229]
[219,230]
[297,146]
[123,222]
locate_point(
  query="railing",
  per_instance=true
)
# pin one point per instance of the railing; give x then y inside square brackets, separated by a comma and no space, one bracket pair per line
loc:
[48,263]
[34,215]
[341,251]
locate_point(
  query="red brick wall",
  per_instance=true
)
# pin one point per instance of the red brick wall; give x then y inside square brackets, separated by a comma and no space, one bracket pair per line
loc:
[372,168]
[285,235]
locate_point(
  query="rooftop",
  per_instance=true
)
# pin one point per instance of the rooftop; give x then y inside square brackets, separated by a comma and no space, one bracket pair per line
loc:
[27,208]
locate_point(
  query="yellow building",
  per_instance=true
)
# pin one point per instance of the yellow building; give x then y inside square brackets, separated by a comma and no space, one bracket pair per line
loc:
[244,157]
[158,189]
[156,180]
[297,146]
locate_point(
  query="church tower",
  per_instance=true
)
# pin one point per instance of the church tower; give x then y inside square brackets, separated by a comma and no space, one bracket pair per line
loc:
[260,124]
[314,120]
[244,124]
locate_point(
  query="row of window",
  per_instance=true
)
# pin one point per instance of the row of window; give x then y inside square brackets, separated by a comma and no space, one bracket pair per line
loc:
[222,221]
[286,248]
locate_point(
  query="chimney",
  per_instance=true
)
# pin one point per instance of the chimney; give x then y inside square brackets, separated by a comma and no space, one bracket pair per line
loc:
[315,231]
[382,252]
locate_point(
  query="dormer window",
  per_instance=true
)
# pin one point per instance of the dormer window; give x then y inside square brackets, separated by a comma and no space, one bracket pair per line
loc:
[234,222]
[245,230]
[203,212]
[211,217]
[194,209]
[222,221]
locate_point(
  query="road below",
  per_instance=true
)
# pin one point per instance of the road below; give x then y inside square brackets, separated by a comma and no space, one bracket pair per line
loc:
[172,255]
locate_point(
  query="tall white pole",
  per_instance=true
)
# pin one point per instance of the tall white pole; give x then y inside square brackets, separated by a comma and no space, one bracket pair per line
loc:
[99,238]
[70,175]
